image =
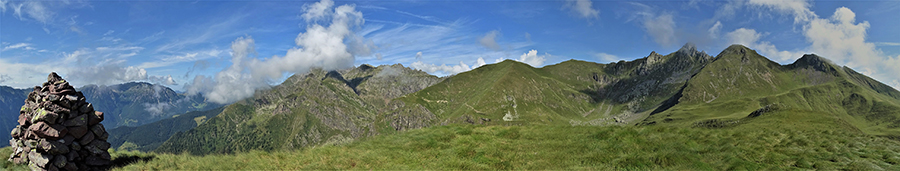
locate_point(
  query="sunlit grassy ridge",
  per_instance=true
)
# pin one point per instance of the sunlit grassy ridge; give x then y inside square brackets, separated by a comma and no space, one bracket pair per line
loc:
[740,81]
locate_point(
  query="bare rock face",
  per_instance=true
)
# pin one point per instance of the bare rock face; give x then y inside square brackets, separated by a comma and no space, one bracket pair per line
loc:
[59,130]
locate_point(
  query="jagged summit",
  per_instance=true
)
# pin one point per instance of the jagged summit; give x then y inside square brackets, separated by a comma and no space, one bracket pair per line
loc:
[688,48]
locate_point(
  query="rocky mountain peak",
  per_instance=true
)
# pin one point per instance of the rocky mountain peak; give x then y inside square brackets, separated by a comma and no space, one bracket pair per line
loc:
[813,61]
[690,50]
[653,58]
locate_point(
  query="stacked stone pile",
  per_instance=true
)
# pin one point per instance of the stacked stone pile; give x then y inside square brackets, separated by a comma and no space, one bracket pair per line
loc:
[59,130]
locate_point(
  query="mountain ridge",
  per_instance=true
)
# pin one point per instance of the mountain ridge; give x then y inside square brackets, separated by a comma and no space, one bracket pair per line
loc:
[309,109]
[812,86]
[127,104]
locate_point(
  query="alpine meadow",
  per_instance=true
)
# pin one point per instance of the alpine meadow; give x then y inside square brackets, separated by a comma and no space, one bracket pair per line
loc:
[450,85]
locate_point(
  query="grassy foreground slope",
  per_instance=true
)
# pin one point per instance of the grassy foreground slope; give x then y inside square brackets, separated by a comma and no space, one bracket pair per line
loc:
[762,143]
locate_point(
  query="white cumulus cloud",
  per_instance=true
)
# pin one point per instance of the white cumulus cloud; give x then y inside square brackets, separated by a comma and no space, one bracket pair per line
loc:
[607,57]
[584,8]
[321,46]
[751,39]
[532,58]
[659,25]
[447,69]
[489,40]
[661,28]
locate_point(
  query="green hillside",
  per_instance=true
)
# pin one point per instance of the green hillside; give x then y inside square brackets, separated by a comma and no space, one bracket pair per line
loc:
[569,93]
[740,82]
[149,136]
[541,147]
[319,107]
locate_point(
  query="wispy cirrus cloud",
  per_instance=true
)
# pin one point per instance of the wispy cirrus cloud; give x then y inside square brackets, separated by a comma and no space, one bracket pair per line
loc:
[35,10]
[185,57]
[887,43]
[25,46]
[444,49]
[189,36]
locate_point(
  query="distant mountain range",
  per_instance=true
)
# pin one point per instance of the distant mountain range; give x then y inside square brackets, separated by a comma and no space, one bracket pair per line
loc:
[128,104]
[139,103]
[685,88]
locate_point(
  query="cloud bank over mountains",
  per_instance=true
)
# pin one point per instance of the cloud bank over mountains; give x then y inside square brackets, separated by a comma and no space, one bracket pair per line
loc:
[321,46]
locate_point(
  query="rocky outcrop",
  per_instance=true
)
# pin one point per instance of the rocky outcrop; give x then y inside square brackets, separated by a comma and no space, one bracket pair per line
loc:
[59,130]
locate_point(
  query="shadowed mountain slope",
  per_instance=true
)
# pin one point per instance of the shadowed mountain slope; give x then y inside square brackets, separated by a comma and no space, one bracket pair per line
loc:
[148,137]
[11,101]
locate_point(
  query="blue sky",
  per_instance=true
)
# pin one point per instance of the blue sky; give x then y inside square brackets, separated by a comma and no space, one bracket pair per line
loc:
[227,49]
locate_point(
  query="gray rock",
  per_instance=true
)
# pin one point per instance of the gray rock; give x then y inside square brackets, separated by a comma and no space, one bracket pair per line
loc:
[86,139]
[98,129]
[60,161]
[79,120]
[75,146]
[39,159]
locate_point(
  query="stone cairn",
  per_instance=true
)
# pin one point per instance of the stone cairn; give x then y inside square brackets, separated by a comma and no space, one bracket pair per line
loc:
[59,130]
